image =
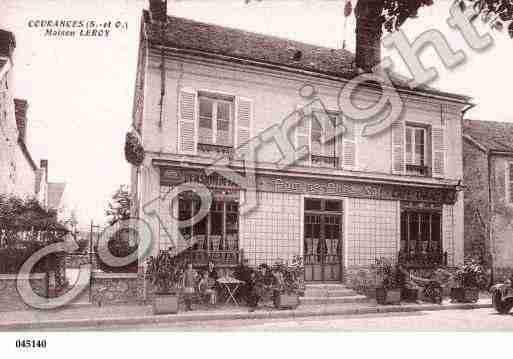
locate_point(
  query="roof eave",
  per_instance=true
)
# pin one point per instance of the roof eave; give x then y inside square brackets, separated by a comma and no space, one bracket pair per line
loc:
[445,96]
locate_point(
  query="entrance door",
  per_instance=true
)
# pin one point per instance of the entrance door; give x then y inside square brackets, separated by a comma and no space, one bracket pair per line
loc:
[322,248]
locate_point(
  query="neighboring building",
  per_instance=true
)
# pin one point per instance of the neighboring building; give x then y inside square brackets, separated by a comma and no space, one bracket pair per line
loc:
[202,90]
[19,174]
[17,169]
[488,177]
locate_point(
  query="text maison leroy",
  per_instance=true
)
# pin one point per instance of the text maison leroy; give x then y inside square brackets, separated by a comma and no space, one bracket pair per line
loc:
[81,33]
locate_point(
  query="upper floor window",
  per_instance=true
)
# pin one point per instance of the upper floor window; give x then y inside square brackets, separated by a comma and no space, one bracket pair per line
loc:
[215,121]
[323,143]
[415,150]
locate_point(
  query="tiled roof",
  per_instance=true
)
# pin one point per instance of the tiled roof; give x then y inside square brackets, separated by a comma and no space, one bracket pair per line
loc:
[494,136]
[239,44]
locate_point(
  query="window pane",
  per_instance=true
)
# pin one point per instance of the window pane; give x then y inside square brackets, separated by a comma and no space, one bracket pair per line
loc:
[436,228]
[414,231]
[216,223]
[223,125]
[333,206]
[205,113]
[404,230]
[223,111]
[313,204]
[419,146]
[206,107]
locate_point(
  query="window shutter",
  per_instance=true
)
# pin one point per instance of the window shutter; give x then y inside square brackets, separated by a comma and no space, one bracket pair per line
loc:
[349,145]
[397,147]
[303,138]
[187,122]
[243,125]
[339,141]
[438,147]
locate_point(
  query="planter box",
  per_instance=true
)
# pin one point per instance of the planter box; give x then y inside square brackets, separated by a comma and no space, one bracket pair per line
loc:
[464,295]
[384,296]
[286,301]
[165,304]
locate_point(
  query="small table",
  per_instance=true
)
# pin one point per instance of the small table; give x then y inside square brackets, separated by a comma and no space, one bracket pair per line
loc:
[231,285]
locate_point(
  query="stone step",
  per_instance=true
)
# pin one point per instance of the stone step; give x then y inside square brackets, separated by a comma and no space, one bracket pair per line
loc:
[325,286]
[333,300]
[329,293]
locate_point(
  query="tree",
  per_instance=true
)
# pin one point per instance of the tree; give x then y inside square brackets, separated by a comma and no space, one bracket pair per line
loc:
[119,206]
[392,14]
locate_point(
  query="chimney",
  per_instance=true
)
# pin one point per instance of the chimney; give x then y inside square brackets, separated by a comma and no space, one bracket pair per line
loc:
[368,33]
[7,43]
[20,110]
[43,164]
[158,10]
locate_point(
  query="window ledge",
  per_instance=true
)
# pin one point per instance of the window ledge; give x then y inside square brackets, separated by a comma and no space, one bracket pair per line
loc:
[324,161]
[416,170]
[215,149]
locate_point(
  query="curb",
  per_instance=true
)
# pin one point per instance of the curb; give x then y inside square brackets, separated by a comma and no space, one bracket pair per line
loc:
[190,317]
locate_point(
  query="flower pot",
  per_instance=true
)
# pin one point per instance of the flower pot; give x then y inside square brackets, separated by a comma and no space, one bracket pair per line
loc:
[471,295]
[286,301]
[165,304]
[464,295]
[388,296]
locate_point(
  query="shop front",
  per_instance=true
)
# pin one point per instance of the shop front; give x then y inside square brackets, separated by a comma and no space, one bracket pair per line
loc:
[333,224]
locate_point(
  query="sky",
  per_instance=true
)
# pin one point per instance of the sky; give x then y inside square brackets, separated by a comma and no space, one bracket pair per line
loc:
[80,90]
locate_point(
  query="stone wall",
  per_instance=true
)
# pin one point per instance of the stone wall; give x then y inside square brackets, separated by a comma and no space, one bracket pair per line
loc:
[502,217]
[76,260]
[10,300]
[116,288]
[477,215]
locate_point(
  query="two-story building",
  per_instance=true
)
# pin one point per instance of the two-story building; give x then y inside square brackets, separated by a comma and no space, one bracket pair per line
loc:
[202,91]
[488,176]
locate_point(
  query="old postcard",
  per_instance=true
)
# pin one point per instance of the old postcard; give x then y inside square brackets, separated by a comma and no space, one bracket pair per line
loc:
[253,165]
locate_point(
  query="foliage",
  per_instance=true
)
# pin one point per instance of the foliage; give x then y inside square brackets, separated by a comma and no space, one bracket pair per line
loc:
[120,246]
[471,274]
[134,151]
[119,206]
[388,273]
[13,257]
[25,228]
[392,14]
[291,278]
[163,272]
[27,214]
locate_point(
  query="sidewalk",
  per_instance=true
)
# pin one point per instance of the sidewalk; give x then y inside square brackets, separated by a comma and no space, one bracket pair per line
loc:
[93,316]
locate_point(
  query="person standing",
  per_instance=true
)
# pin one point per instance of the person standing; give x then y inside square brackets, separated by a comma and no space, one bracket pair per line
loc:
[189,282]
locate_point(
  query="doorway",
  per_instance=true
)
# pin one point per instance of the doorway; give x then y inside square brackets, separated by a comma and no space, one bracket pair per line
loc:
[322,249]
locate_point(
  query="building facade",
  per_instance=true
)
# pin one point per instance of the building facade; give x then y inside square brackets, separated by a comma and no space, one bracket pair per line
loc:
[17,168]
[488,176]
[205,92]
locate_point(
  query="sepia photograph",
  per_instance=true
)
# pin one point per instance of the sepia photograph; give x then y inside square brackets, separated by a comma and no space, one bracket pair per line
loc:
[235,166]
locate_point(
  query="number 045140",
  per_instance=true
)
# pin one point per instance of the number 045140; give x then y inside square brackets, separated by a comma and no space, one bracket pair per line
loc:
[31,343]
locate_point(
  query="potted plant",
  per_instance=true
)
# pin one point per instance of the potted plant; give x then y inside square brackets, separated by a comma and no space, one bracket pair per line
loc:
[388,290]
[165,275]
[288,283]
[468,278]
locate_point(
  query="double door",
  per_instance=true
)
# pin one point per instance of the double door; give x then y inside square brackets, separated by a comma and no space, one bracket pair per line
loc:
[322,249]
